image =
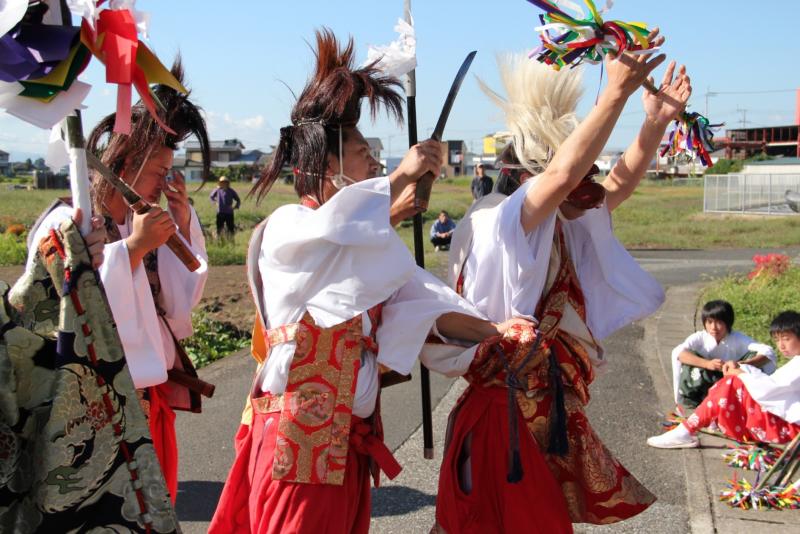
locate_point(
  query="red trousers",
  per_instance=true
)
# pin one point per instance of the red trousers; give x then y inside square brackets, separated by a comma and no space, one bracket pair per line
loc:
[162,428]
[739,416]
[252,502]
[536,504]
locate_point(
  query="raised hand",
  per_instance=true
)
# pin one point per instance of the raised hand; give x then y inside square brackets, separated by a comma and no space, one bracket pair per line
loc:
[178,202]
[627,72]
[671,99]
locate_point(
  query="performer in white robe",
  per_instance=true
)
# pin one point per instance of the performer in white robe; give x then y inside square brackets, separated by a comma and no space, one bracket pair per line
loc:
[340,304]
[548,251]
[151,293]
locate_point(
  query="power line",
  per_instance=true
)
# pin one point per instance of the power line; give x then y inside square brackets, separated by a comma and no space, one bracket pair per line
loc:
[713,93]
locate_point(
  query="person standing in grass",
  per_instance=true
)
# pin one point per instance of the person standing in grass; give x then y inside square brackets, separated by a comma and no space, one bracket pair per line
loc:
[482,183]
[150,292]
[225,197]
[747,404]
[522,448]
[697,362]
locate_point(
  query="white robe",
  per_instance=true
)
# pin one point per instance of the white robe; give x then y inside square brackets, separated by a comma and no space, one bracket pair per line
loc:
[778,393]
[505,270]
[336,262]
[149,348]
[731,348]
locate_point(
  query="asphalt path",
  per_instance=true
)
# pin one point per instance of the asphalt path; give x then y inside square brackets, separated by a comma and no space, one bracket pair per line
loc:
[622,411]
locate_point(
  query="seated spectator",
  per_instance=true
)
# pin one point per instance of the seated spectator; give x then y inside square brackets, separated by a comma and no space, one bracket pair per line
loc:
[748,404]
[697,362]
[442,231]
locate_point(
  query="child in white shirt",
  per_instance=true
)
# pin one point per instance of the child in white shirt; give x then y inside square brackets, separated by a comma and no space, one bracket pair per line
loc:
[697,362]
[748,404]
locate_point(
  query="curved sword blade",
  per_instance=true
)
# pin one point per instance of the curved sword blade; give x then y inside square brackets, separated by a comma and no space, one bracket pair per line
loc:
[451,96]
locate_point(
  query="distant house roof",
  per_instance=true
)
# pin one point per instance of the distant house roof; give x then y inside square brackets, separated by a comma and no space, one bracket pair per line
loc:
[776,161]
[227,144]
[251,155]
[374,143]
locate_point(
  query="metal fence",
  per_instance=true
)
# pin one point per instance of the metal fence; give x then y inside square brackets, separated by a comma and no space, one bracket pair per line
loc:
[749,193]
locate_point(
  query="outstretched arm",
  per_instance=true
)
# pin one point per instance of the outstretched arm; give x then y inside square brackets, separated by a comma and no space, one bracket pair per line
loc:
[579,151]
[661,109]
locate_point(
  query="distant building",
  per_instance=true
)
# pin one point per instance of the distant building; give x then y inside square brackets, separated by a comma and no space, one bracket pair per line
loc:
[5,166]
[773,166]
[743,143]
[375,147]
[223,154]
[454,153]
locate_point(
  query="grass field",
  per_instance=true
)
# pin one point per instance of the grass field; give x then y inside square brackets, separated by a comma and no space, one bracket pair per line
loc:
[656,216]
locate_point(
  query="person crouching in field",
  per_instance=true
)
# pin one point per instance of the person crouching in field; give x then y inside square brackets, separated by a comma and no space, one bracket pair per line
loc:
[150,292]
[748,404]
[697,362]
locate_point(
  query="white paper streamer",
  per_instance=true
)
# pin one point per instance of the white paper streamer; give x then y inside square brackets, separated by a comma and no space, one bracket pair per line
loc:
[41,114]
[11,12]
[400,56]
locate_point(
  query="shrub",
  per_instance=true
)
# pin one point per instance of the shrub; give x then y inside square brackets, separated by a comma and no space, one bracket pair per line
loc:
[13,249]
[758,299]
[213,340]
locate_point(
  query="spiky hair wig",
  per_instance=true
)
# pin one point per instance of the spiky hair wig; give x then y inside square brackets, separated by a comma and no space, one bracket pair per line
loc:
[539,106]
[177,112]
[330,102]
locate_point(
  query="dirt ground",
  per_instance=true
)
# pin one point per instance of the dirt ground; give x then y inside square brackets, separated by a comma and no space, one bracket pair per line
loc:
[226,297]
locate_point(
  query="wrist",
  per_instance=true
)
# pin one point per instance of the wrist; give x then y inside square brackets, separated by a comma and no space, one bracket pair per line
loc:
[614,95]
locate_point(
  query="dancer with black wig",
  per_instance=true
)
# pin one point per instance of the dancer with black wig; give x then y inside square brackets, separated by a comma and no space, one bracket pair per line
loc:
[340,303]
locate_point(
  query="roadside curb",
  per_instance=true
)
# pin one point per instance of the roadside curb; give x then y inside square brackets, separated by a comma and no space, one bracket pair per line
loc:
[664,330]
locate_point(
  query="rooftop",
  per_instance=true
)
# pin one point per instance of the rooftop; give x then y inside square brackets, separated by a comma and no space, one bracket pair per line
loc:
[776,161]
[227,144]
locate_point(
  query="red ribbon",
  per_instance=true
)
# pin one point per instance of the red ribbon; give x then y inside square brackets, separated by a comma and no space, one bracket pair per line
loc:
[116,44]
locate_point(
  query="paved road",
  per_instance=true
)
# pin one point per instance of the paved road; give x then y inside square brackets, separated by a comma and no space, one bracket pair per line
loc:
[623,421]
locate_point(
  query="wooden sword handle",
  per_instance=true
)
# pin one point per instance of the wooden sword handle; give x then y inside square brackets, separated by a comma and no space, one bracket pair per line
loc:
[422,194]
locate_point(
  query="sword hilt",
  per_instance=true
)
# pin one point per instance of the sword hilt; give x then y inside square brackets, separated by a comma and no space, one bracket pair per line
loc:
[422,194]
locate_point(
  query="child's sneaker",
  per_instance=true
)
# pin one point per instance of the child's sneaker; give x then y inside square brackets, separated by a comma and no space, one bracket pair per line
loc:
[677,438]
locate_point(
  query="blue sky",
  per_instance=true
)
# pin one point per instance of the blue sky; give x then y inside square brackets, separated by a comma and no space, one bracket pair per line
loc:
[239,53]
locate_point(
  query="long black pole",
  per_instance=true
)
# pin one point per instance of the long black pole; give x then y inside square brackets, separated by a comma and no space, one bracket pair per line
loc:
[419,253]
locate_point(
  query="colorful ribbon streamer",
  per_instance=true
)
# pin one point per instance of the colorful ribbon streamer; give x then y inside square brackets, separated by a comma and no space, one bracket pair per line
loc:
[43,61]
[571,39]
[741,494]
[691,137]
[751,457]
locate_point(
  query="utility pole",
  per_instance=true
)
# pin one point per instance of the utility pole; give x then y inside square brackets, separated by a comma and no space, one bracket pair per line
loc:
[744,120]
[709,93]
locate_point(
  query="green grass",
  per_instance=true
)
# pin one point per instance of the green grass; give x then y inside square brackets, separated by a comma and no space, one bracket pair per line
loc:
[13,250]
[758,301]
[672,217]
[656,216]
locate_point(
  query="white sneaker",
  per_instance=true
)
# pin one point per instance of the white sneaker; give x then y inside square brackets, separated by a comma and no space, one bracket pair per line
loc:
[677,438]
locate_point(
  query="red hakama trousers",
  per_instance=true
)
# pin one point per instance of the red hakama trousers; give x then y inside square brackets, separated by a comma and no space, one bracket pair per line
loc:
[739,416]
[162,429]
[252,502]
[536,504]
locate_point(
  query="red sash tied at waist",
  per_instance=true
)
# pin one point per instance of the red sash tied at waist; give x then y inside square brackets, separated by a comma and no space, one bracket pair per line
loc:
[365,442]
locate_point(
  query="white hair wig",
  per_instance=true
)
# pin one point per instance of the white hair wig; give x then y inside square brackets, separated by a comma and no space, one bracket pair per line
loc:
[539,107]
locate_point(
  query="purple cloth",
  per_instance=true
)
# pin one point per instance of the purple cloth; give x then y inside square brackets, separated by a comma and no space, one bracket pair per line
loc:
[225,199]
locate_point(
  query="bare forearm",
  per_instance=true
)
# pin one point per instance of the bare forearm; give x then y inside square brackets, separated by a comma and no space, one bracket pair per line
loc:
[465,327]
[692,359]
[759,360]
[573,159]
[632,166]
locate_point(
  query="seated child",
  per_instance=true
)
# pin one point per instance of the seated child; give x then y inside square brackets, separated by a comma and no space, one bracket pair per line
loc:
[697,362]
[748,404]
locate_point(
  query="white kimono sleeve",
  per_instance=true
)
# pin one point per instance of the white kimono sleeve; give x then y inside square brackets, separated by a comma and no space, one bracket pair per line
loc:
[336,261]
[506,269]
[410,315]
[134,312]
[182,290]
[617,290]
[778,393]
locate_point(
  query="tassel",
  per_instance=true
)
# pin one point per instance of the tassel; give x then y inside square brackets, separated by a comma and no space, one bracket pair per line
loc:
[559,444]
[514,460]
